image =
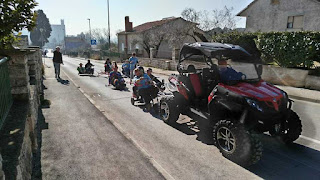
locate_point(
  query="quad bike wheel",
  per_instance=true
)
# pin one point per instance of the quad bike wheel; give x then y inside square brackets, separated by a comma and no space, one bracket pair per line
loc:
[168,110]
[236,143]
[293,130]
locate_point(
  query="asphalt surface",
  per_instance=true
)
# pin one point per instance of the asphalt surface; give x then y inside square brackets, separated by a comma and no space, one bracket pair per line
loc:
[81,143]
[186,151]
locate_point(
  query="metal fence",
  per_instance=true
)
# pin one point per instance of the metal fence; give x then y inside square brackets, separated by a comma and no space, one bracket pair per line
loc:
[5,91]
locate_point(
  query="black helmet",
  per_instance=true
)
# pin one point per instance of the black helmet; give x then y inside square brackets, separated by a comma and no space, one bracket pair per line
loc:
[141,69]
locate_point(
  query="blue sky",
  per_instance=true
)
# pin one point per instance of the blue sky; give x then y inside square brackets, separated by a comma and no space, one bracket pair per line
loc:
[76,12]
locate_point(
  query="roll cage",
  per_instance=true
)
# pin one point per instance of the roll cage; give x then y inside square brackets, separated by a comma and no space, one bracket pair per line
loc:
[218,51]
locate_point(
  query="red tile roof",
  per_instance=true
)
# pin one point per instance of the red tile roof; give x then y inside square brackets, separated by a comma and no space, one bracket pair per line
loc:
[149,25]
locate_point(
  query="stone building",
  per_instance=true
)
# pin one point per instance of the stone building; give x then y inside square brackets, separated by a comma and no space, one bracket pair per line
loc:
[282,15]
[58,34]
[131,39]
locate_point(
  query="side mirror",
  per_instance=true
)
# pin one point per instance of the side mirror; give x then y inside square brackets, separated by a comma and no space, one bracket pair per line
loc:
[259,69]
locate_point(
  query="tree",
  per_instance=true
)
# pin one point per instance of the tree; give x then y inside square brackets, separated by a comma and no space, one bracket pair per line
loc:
[206,21]
[191,15]
[15,15]
[40,34]
[153,38]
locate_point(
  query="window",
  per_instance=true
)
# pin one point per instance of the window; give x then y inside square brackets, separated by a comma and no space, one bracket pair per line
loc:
[122,47]
[295,22]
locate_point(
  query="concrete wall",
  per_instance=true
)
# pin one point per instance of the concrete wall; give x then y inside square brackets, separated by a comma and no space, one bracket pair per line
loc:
[265,17]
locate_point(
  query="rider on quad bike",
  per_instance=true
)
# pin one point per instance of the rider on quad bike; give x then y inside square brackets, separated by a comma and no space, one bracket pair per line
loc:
[238,103]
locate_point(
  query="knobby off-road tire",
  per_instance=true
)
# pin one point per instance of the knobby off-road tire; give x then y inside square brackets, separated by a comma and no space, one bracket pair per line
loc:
[244,147]
[294,128]
[168,110]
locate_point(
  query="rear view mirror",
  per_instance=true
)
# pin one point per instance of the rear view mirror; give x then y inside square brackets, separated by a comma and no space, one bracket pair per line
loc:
[259,69]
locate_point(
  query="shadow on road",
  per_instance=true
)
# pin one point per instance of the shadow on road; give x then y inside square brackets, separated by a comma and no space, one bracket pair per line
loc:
[41,125]
[279,161]
[64,82]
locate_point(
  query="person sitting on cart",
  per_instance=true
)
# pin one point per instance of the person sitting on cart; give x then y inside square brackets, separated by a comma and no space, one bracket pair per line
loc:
[144,84]
[81,69]
[115,78]
[88,67]
[107,66]
[126,68]
[153,78]
[228,73]
[156,81]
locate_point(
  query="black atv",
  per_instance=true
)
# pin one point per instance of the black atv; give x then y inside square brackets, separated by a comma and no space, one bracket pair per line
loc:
[234,98]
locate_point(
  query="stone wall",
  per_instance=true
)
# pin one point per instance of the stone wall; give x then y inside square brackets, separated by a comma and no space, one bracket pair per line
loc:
[2,176]
[25,72]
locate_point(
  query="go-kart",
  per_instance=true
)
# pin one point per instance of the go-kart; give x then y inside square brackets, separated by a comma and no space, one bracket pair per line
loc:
[118,83]
[237,109]
[157,91]
[87,71]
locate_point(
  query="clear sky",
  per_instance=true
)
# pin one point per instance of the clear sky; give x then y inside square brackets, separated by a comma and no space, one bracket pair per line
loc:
[76,12]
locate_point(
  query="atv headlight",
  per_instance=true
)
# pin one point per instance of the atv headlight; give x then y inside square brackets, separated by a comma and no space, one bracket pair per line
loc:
[254,104]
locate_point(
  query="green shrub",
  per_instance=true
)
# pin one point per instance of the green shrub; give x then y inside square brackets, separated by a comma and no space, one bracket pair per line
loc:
[287,49]
[290,49]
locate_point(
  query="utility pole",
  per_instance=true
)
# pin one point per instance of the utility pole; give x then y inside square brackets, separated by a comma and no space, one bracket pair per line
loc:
[90,30]
[109,27]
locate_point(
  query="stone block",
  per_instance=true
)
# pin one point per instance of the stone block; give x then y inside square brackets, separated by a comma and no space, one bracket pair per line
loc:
[285,76]
[313,82]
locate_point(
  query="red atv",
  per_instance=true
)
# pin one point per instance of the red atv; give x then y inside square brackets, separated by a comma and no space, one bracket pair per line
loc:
[235,99]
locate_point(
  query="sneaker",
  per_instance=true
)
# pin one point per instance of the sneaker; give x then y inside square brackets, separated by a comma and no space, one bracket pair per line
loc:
[148,107]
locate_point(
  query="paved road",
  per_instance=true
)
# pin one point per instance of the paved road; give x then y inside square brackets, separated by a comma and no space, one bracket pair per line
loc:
[81,143]
[187,153]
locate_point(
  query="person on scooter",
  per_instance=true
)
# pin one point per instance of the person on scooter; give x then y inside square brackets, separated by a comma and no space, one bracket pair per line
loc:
[228,73]
[88,67]
[143,82]
[116,78]
[81,69]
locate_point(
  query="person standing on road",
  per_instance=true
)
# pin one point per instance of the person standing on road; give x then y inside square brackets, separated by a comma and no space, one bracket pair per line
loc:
[57,60]
[133,60]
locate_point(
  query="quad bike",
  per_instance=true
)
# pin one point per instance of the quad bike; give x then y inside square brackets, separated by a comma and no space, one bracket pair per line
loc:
[237,109]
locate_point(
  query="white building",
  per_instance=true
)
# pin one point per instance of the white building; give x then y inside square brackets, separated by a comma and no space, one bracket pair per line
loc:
[282,15]
[58,34]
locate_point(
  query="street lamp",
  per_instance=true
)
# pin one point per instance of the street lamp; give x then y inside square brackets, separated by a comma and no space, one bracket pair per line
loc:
[90,29]
[109,27]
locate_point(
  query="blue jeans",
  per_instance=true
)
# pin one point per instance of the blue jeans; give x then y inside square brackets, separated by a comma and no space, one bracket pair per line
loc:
[57,69]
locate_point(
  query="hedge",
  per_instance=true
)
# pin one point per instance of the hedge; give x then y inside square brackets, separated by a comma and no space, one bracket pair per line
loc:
[287,49]
[290,49]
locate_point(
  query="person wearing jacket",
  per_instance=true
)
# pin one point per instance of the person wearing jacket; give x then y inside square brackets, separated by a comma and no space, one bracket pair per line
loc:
[57,60]
[144,85]
[228,73]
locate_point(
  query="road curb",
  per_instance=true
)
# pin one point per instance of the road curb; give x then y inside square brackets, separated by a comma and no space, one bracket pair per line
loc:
[144,152]
[304,99]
